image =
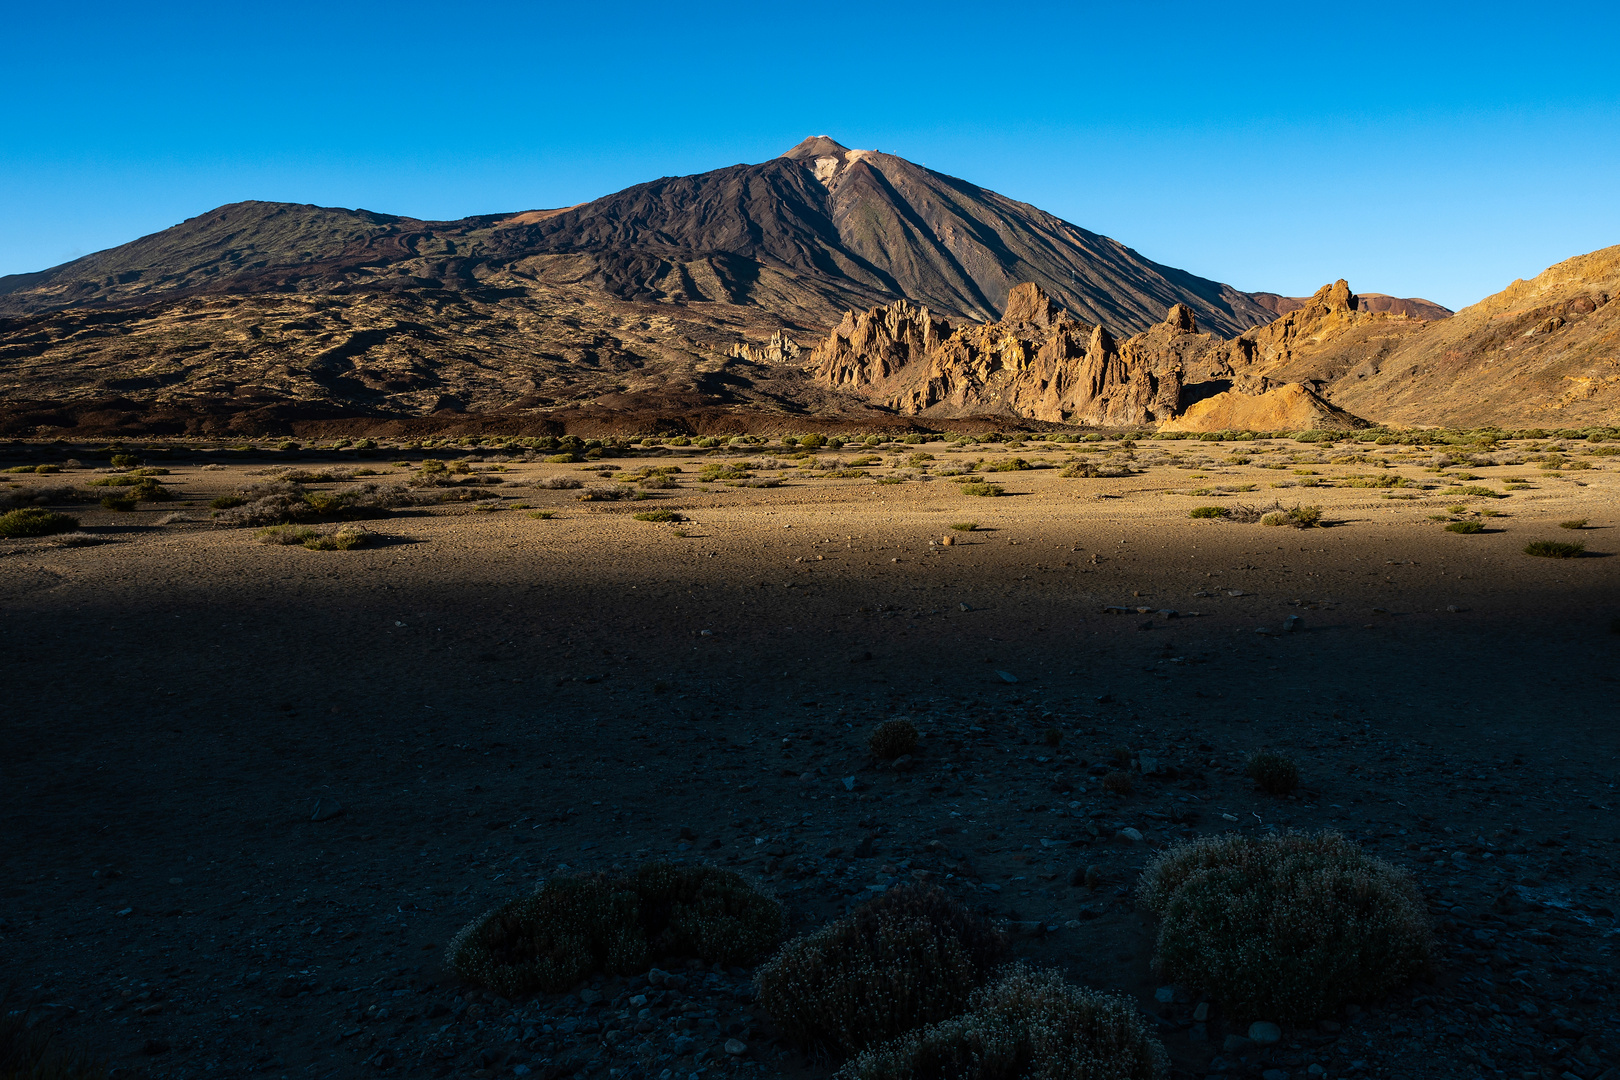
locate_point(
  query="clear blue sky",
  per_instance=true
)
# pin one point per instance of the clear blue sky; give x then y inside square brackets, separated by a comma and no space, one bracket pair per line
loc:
[1421,150]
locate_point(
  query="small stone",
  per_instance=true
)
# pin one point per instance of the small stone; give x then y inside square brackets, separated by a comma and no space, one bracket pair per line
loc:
[736,1047]
[1316,1070]
[1201,1013]
[1529,1008]
[849,783]
[948,541]
[1274,1074]
[965,607]
[1006,677]
[1234,592]
[326,809]
[1293,623]
[1264,1033]
[1129,835]
[1164,994]
[589,997]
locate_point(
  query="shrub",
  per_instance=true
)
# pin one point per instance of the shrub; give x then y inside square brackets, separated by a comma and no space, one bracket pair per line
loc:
[562,459]
[1287,927]
[1578,523]
[558,483]
[549,941]
[1300,517]
[658,515]
[604,493]
[35,521]
[573,926]
[986,490]
[1053,736]
[1028,1025]
[286,535]
[1117,783]
[542,515]
[1207,512]
[909,957]
[119,503]
[346,538]
[964,526]
[28,1051]
[705,912]
[893,738]
[1553,549]
[1273,773]
[1466,527]
[226,502]
[124,461]
[38,496]
[1009,465]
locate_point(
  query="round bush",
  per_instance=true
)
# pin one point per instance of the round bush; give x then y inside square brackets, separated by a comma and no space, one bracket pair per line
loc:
[1285,928]
[1029,1025]
[33,521]
[894,964]
[893,738]
[551,940]
[1273,773]
[1466,527]
[706,912]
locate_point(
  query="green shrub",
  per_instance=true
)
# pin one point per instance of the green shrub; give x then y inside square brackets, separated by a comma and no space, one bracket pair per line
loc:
[1081,469]
[1008,465]
[909,957]
[893,738]
[1578,523]
[1207,512]
[562,459]
[1553,549]
[658,515]
[542,515]
[34,521]
[985,490]
[573,926]
[346,538]
[1466,527]
[1028,1025]
[119,503]
[1287,927]
[1273,773]
[964,526]
[225,502]
[124,461]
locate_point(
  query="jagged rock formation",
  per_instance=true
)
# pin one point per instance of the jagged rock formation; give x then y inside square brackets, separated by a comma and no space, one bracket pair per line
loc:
[1411,306]
[1038,362]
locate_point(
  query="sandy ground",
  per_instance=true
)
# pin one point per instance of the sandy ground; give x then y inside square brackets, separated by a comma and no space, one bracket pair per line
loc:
[490,696]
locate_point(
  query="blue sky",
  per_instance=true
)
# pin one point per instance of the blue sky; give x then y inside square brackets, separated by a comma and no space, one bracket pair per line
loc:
[1421,150]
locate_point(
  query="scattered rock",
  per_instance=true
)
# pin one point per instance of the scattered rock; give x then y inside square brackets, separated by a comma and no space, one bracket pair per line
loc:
[1201,1013]
[736,1047]
[1006,677]
[1293,623]
[326,809]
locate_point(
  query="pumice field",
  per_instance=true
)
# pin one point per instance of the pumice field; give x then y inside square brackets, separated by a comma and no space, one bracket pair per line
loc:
[922,755]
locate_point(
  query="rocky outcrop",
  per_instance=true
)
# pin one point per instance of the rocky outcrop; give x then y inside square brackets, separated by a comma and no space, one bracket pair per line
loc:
[1040,363]
[780,349]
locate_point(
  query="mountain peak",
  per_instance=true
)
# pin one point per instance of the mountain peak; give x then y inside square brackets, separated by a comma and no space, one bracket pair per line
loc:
[816,146]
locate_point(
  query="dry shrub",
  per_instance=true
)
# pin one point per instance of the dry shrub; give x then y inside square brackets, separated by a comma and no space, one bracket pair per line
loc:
[893,738]
[705,912]
[558,483]
[1287,927]
[1028,1025]
[39,495]
[549,941]
[35,521]
[29,1051]
[281,502]
[908,958]
[604,493]
[573,926]
[1117,783]
[1273,773]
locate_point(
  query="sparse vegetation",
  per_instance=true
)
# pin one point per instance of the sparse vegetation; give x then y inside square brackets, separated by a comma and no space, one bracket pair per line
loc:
[905,959]
[983,490]
[1466,527]
[35,521]
[893,738]
[1300,517]
[1207,512]
[1028,1025]
[542,515]
[1286,927]
[558,483]
[964,526]
[1117,783]
[1554,549]
[1578,523]
[573,926]
[658,515]
[1273,773]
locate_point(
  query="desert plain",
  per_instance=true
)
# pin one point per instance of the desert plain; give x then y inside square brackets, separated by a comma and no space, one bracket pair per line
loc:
[249,790]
